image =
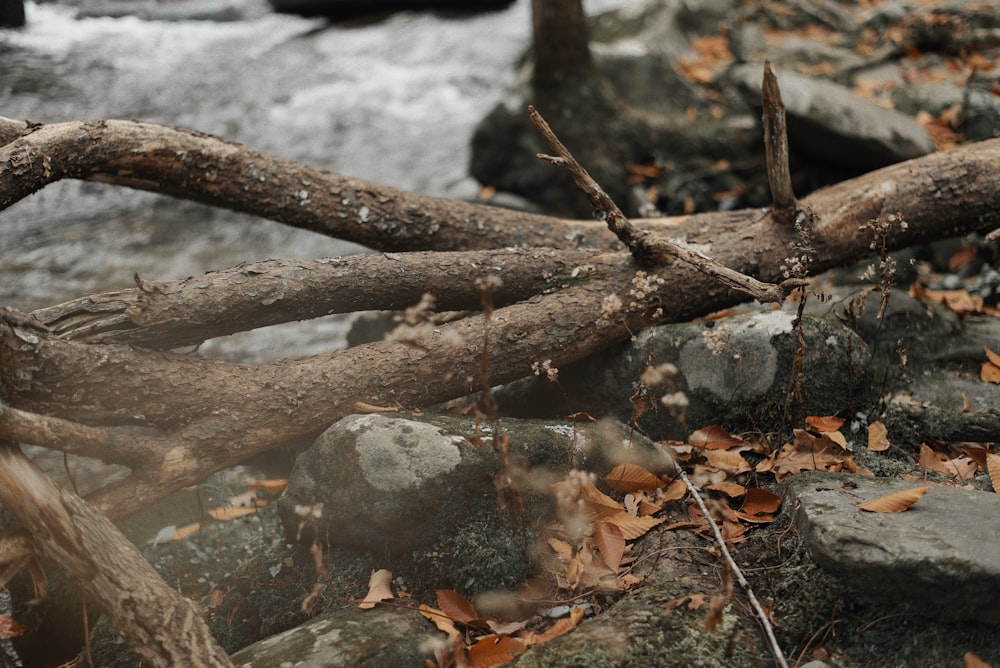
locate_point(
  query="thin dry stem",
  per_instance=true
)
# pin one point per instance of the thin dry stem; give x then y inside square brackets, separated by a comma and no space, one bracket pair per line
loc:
[779,656]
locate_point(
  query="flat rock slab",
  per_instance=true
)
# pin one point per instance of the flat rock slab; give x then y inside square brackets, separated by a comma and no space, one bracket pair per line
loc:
[942,555]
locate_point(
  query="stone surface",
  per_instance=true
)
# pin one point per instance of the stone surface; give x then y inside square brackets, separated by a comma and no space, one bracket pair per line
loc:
[734,372]
[346,638]
[831,123]
[939,556]
[389,483]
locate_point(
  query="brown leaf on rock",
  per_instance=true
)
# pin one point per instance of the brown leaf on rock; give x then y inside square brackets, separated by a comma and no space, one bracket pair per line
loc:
[610,540]
[970,660]
[878,437]
[560,627]
[493,651]
[896,502]
[456,606]
[631,478]
[442,621]
[990,373]
[379,589]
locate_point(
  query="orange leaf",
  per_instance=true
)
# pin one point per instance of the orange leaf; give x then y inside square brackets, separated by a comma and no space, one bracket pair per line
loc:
[896,502]
[970,660]
[230,513]
[493,651]
[631,478]
[715,438]
[993,467]
[9,628]
[633,527]
[269,486]
[379,589]
[439,619]
[760,501]
[456,606]
[731,462]
[992,356]
[611,542]
[560,627]
[878,437]
[990,373]
[825,424]
[675,491]
[730,489]
[962,467]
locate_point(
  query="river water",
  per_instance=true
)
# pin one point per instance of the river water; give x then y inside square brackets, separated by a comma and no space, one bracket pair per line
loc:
[393,101]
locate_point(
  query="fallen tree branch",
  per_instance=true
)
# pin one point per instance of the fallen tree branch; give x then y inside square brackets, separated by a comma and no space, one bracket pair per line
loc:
[173,314]
[212,171]
[161,626]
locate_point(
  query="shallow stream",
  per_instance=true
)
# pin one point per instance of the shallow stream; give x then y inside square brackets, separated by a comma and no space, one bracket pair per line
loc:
[392,101]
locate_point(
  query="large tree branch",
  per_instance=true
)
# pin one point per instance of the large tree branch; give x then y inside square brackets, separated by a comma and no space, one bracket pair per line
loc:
[205,169]
[173,314]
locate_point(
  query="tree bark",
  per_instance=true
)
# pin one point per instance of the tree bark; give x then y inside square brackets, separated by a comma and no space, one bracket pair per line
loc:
[161,626]
[176,419]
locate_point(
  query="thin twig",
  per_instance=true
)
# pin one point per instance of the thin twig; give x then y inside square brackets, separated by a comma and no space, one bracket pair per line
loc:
[779,657]
[605,208]
[645,248]
[779,176]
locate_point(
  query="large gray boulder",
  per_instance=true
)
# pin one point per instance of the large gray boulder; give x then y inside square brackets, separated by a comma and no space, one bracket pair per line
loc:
[939,557]
[829,122]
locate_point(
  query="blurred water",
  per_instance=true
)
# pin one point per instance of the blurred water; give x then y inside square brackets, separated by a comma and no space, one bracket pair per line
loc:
[393,102]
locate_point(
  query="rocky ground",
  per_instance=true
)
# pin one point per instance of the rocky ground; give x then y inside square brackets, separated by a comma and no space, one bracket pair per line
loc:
[865,85]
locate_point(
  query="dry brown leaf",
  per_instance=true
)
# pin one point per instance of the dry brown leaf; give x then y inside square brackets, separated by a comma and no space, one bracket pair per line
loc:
[825,424]
[562,549]
[439,619]
[611,542]
[992,356]
[962,467]
[560,627]
[634,527]
[379,589]
[728,461]
[730,489]
[715,438]
[878,437]
[896,502]
[966,404]
[675,491]
[993,468]
[270,486]
[456,606]
[505,628]
[990,373]
[231,513]
[10,628]
[970,660]
[493,651]
[807,453]
[760,501]
[631,478]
